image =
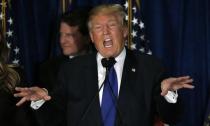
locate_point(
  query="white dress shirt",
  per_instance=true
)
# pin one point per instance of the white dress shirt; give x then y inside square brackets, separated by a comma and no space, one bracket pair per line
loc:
[118,66]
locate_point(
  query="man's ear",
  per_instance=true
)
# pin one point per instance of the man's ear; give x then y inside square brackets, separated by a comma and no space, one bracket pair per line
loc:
[91,36]
[125,32]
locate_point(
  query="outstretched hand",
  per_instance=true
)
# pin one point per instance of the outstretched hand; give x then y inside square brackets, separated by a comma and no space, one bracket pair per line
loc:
[175,83]
[31,94]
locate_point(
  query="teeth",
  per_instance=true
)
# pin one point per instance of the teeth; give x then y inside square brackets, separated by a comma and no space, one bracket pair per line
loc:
[107,40]
[108,43]
[108,46]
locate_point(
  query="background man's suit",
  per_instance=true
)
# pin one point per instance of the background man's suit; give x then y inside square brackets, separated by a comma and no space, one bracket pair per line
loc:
[48,73]
[139,98]
[49,70]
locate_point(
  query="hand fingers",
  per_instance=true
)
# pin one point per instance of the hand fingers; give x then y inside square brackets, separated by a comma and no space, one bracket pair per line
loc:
[22,100]
[184,80]
[164,92]
[21,94]
[47,98]
[22,91]
[39,97]
[188,86]
[176,87]
[19,89]
[175,84]
[187,81]
[35,97]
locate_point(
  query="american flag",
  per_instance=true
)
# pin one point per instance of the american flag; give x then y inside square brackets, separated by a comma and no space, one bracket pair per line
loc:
[138,39]
[7,25]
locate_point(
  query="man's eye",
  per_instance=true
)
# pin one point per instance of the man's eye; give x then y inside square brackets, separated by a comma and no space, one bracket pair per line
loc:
[112,25]
[70,35]
[97,28]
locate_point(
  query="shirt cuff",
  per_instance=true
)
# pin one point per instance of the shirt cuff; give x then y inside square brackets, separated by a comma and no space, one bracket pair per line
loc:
[37,104]
[171,96]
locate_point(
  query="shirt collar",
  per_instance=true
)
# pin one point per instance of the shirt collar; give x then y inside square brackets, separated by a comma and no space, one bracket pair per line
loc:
[119,58]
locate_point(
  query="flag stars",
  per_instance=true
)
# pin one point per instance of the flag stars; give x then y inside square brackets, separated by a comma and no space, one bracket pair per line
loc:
[133,46]
[134,33]
[10,21]
[17,50]
[137,28]
[142,37]
[142,49]
[9,45]
[15,61]
[141,25]
[135,21]
[126,5]
[9,33]
[149,52]
[134,9]
[126,17]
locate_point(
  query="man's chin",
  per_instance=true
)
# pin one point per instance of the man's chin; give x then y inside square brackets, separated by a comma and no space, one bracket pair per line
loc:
[67,53]
[108,55]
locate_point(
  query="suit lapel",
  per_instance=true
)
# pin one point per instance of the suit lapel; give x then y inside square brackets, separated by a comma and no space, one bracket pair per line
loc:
[129,73]
[92,91]
[128,79]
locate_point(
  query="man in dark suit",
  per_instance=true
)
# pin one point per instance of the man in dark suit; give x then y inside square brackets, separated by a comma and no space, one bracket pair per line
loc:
[73,39]
[141,93]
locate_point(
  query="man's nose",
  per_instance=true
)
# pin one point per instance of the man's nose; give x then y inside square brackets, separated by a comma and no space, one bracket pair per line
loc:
[62,39]
[105,29]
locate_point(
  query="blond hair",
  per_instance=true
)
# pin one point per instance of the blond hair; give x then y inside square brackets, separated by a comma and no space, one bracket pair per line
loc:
[8,76]
[107,9]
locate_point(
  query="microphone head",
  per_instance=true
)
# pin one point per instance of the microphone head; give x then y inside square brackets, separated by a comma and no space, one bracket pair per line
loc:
[108,62]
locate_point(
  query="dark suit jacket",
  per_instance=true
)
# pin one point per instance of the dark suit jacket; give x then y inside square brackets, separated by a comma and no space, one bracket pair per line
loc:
[48,72]
[139,98]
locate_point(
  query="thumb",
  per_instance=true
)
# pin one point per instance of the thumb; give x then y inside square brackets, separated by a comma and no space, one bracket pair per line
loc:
[164,92]
[47,98]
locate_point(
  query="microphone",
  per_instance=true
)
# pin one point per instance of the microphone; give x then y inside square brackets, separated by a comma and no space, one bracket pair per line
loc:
[108,63]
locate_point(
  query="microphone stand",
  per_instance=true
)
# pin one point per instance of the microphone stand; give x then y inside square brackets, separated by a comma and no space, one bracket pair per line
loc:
[92,101]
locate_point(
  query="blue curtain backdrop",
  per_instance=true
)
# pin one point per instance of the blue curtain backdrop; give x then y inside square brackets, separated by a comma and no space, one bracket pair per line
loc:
[178,31]
[36,25]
